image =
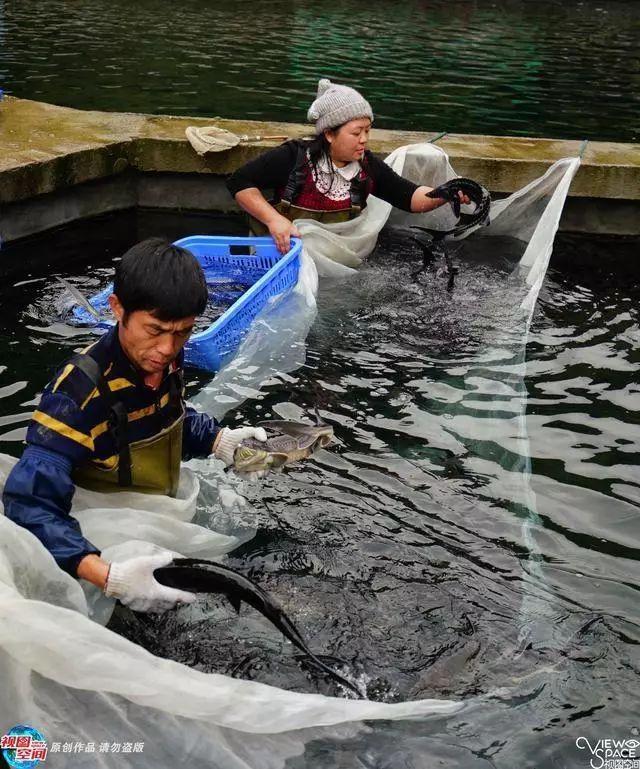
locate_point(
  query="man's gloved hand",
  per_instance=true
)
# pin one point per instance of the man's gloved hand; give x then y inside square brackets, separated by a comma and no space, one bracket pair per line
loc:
[228,441]
[133,583]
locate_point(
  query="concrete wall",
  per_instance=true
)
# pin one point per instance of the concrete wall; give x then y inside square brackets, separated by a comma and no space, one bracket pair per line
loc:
[59,164]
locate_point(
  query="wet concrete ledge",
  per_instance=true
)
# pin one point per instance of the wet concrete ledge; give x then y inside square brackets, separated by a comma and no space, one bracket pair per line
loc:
[59,164]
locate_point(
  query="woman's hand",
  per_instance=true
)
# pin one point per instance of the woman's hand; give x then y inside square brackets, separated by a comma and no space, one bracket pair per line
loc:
[420,203]
[464,200]
[282,230]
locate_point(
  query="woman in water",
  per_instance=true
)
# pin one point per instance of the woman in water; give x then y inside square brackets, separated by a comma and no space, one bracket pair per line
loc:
[327,178]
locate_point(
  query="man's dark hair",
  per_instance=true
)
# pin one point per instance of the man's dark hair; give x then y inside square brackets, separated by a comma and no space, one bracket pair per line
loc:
[164,279]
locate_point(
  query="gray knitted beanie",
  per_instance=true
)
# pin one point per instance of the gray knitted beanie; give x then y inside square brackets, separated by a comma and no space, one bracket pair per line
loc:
[335,105]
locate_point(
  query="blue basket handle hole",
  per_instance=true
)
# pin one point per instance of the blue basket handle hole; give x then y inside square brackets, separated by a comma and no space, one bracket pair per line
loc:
[242,250]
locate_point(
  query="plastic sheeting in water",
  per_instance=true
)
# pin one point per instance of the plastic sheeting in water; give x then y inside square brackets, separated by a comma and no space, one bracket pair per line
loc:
[75,680]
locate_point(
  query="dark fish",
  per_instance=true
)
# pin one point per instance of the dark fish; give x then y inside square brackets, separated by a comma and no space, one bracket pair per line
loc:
[80,298]
[431,241]
[449,191]
[433,249]
[448,673]
[201,576]
[474,191]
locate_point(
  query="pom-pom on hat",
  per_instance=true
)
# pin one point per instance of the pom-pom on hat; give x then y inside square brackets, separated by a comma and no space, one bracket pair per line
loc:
[337,104]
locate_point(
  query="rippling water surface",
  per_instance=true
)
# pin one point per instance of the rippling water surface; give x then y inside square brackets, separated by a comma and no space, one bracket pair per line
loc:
[424,549]
[546,68]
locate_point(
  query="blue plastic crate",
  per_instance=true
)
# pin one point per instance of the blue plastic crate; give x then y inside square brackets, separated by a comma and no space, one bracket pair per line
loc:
[269,273]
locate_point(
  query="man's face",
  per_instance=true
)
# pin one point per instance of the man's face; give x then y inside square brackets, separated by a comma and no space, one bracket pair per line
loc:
[149,343]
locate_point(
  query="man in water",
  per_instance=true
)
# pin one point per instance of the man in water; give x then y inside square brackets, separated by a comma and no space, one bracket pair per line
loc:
[114,418]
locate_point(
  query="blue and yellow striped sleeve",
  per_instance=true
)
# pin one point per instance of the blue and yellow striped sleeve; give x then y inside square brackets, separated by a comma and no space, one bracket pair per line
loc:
[37,496]
[198,434]
[39,490]
[59,424]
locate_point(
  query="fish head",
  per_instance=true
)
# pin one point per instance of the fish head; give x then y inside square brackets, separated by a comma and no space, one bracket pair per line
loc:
[305,434]
[252,459]
[286,442]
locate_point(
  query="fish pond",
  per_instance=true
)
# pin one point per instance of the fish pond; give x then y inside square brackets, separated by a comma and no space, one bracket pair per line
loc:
[557,68]
[437,549]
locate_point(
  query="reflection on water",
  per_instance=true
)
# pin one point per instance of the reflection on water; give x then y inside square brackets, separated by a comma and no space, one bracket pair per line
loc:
[400,550]
[503,67]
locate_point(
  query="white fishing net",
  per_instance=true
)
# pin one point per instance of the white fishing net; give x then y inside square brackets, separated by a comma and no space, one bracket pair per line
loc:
[63,672]
[530,216]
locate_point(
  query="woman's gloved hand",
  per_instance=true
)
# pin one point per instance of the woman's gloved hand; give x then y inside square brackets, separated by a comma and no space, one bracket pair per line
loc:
[133,584]
[228,440]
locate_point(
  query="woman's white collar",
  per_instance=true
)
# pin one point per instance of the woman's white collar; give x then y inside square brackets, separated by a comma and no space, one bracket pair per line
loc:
[347,172]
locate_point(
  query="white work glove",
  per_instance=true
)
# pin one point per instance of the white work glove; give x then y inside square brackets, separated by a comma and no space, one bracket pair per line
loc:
[133,584]
[228,441]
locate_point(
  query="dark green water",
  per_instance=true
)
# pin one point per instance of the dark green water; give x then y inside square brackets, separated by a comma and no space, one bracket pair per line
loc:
[556,68]
[393,549]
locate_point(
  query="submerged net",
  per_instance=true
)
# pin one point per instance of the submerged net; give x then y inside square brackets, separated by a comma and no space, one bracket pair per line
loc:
[75,680]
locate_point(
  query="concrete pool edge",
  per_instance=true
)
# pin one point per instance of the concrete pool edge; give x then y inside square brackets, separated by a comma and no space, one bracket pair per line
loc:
[58,164]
